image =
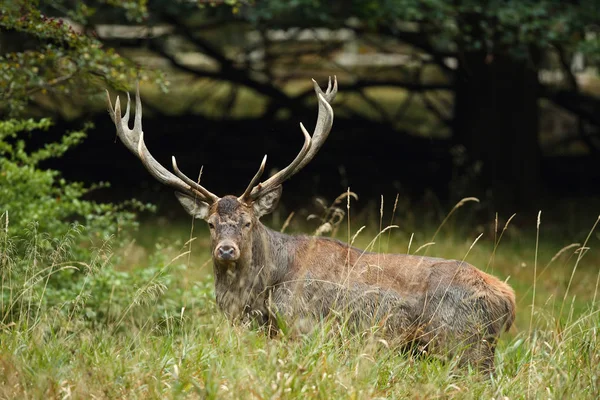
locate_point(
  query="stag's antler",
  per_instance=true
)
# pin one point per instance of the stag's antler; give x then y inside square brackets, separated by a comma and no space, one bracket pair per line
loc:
[309,149]
[133,139]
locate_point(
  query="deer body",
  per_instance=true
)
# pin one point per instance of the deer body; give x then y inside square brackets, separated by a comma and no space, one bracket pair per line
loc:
[442,305]
[433,302]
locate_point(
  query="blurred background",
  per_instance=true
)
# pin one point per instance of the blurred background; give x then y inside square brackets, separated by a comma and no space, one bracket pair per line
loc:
[494,99]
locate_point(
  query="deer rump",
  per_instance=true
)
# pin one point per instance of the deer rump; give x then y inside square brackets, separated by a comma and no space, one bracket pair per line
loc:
[443,305]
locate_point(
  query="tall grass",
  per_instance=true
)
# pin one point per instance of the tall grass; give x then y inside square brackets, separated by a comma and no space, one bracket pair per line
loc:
[148,327]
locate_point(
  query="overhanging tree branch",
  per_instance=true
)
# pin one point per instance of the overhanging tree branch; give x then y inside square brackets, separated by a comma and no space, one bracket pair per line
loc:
[229,71]
[229,75]
[419,40]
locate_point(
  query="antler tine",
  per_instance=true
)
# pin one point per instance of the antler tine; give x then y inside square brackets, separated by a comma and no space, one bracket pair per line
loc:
[193,183]
[254,180]
[133,139]
[330,92]
[137,121]
[125,118]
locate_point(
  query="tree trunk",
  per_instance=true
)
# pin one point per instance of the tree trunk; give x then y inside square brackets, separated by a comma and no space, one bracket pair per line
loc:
[496,120]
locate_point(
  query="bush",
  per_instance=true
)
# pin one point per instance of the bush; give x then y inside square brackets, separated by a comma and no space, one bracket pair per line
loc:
[55,243]
[41,200]
[47,222]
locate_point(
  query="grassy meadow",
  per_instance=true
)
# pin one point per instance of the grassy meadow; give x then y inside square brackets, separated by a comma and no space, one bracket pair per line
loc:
[143,323]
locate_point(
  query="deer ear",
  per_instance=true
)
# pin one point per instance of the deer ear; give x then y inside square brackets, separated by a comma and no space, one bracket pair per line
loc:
[267,202]
[194,207]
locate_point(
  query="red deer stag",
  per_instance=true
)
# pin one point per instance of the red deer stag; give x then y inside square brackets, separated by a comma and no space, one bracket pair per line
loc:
[433,302]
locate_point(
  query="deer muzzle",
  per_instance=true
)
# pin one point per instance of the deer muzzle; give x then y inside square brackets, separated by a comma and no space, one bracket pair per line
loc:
[227,251]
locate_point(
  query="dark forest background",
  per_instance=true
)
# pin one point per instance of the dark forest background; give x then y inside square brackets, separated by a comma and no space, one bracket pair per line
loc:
[494,99]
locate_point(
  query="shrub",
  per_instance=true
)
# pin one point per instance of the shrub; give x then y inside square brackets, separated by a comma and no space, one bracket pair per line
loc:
[47,222]
[40,199]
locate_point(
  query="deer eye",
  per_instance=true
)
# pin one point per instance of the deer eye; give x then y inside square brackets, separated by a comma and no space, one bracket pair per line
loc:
[211,225]
[247,225]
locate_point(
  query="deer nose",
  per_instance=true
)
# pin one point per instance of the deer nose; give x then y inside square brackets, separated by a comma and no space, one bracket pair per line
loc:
[227,252]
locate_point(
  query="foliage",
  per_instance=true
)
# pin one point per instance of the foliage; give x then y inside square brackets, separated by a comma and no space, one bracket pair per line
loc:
[50,221]
[58,55]
[493,26]
[40,200]
[49,229]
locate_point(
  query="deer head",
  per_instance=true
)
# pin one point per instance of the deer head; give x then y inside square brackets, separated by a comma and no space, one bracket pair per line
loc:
[232,220]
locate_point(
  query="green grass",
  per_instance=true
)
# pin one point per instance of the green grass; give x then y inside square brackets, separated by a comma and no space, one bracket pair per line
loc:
[162,336]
